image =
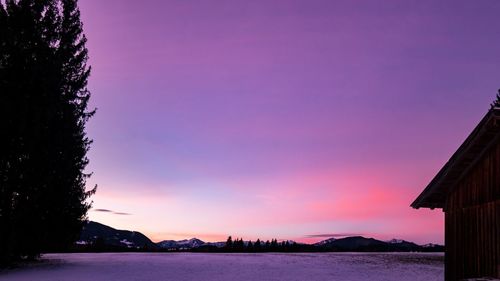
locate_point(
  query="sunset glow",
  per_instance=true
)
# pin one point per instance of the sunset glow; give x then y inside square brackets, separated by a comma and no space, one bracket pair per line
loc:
[296,120]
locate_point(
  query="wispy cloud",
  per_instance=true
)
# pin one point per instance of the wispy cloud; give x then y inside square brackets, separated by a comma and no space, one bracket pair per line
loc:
[332,235]
[121,213]
[112,212]
[103,210]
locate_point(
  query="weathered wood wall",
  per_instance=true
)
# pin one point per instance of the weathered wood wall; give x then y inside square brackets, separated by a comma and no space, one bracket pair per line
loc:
[472,221]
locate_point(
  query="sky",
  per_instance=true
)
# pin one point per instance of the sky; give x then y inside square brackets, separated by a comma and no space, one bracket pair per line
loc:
[299,120]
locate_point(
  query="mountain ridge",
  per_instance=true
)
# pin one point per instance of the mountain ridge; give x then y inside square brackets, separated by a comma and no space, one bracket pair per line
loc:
[101,236]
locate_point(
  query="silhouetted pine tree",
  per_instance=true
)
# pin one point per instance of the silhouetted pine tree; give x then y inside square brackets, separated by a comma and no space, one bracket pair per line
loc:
[249,246]
[43,112]
[257,246]
[229,244]
[236,245]
[274,245]
[239,245]
[496,102]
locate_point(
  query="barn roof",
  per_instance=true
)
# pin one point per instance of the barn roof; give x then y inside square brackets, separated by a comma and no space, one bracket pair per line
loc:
[486,133]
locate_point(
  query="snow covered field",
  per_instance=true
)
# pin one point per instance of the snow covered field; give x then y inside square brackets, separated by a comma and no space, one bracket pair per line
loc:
[221,267]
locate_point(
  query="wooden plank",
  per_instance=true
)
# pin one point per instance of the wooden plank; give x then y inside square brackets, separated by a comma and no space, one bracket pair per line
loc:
[472,221]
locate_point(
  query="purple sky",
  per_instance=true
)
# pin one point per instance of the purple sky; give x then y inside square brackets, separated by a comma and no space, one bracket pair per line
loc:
[286,119]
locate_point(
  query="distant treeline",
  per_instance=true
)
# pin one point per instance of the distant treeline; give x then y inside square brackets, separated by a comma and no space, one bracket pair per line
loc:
[348,244]
[240,246]
[236,246]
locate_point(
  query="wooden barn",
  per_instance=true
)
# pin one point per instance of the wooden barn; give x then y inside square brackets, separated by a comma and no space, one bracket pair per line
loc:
[467,189]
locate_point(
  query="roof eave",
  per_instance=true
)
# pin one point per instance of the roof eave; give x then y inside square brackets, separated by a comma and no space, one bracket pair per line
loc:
[440,185]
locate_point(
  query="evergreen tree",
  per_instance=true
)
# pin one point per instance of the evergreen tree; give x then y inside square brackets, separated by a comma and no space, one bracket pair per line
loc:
[229,243]
[496,102]
[236,245]
[43,112]
[239,245]
[274,245]
[286,246]
[249,246]
[257,246]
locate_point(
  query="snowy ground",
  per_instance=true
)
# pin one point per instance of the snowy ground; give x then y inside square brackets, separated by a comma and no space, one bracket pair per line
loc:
[221,267]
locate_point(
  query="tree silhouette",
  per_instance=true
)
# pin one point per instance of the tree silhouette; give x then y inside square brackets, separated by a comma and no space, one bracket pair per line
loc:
[43,112]
[239,245]
[274,245]
[496,102]
[267,245]
[229,243]
[257,246]
[286,246]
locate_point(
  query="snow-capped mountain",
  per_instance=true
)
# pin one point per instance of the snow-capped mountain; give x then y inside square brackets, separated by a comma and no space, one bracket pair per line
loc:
[359,243]
[100,235]
[325,242]
[191,243]
[165,244]
[216,244]
[181,244]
